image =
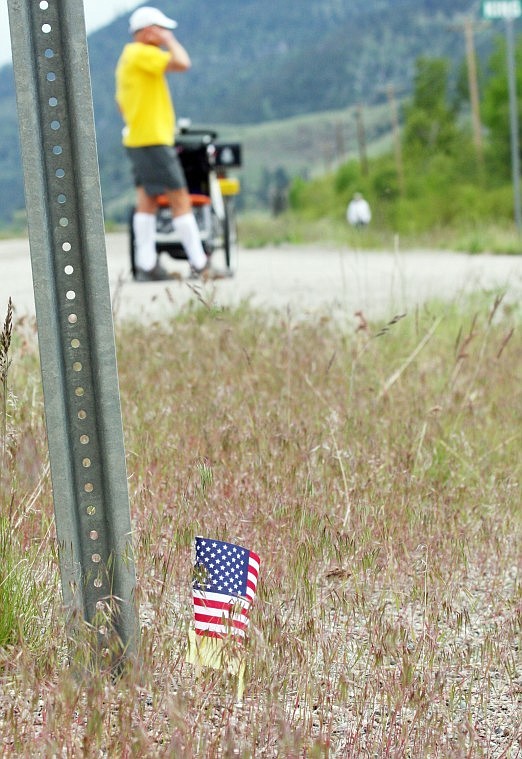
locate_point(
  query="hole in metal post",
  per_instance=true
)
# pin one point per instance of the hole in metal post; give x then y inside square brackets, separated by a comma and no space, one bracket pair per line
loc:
[68,269]
[72,318]
[86,463]
[53,102]
[46,28]
[60,173]
[93,534]
[84,439]
[88,487]
[66,246]
[51,76]
[98,583]
[96,559]
[61,199]
[77,366]
[82,414]
[79,391]
[57,150]
[91,510]
[75,343]
[44,5]
[64,221]
[55,125]
[49,53]
[70,295]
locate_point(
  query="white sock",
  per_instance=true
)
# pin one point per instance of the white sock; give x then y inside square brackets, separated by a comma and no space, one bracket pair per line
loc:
[144,226]
[187,228]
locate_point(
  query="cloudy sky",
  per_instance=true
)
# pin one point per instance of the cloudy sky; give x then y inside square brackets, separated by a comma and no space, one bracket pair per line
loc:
[97,13]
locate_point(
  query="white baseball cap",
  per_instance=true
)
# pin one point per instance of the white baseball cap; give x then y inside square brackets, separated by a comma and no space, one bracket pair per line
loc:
[149,16]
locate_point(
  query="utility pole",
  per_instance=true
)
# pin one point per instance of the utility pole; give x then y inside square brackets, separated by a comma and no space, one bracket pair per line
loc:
[361,140]
[510,10]
[339,140]
[513,115]
[390,91]
[471,66]
[473,89]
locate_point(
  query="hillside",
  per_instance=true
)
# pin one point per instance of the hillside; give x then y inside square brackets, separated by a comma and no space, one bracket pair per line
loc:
[251,66]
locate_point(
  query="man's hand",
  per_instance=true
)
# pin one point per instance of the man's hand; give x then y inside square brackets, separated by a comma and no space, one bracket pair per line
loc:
[157,35]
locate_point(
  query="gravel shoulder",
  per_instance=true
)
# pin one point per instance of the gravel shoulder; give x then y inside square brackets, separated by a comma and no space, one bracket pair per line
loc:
[302,279]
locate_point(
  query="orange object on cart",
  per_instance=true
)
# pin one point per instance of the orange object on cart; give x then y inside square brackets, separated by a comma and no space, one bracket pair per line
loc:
[196,199]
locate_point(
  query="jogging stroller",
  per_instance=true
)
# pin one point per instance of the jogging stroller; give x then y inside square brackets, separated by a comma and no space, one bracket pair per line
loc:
[206,164]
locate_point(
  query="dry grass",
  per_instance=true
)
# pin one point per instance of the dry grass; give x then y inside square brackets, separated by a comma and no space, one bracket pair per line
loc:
[375,469]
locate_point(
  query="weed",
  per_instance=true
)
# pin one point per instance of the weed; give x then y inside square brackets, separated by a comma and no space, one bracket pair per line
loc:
[5,361]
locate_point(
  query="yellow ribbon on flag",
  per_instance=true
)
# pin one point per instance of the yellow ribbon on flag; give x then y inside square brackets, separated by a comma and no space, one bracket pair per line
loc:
[217,653]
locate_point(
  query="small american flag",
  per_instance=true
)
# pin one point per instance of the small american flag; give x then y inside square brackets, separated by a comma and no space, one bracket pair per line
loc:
[224,587]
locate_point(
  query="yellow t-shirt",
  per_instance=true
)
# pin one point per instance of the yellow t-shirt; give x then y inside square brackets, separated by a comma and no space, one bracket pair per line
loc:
[143,96]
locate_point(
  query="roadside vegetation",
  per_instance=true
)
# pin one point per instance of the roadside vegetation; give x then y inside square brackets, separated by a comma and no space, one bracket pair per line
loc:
[375,467]
[428,182]
[259,229]
[434,186]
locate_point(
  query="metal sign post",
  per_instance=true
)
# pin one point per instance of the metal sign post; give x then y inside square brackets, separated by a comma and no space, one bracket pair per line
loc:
[74,318]
[513,120]
[510,10]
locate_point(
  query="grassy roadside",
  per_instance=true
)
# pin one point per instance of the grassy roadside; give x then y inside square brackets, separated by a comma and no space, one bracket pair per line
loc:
[257,229]
[376,471]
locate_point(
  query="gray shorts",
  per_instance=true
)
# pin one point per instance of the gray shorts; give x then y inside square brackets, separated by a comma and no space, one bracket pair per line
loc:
[157,168]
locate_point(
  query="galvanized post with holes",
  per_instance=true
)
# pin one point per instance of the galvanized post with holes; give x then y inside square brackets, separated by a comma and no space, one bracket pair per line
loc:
[74,318]
[510,10]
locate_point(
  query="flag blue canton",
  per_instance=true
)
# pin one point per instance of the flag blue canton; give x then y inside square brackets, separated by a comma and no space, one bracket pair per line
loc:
[221,567]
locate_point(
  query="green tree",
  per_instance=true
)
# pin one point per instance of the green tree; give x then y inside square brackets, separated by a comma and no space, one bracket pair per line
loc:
[495,109]
[430,124]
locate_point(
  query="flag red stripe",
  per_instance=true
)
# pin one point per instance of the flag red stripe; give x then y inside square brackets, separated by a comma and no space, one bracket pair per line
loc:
[224,632]
[219,621]
[210,597]
[222,620]
[221,613]
[225,605]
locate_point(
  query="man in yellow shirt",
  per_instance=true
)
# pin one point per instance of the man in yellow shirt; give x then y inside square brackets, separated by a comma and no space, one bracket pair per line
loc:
[145,103]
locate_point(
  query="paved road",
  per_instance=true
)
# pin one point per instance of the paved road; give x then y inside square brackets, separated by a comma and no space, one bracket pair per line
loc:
[304,279]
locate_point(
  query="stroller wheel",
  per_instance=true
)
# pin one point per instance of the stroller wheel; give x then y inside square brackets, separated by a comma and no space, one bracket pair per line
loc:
[132,242]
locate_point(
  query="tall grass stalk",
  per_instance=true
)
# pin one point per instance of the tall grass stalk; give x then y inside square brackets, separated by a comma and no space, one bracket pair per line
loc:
[5,344]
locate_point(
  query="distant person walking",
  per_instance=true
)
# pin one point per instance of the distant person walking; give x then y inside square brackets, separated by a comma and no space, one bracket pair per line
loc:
[144,99]
[358,213]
